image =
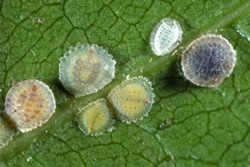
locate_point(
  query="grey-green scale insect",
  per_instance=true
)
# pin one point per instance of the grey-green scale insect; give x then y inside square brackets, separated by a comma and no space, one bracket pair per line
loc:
[86,69]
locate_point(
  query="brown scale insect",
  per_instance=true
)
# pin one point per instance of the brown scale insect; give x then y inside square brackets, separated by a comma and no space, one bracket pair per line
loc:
[29,104]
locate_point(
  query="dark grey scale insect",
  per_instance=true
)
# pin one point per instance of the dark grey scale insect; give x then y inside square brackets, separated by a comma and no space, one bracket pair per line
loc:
[208,60]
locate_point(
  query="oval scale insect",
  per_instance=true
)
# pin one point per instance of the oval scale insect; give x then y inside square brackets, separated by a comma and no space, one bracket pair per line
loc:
[30,103]
[95,118]
[86,69]
[208,60]
[165,36]
[132,99]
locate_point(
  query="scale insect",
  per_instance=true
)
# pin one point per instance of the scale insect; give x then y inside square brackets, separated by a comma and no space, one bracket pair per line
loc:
[95,118]
[208,60]
[132,99]
[86,69]
[165,36]
[29,103]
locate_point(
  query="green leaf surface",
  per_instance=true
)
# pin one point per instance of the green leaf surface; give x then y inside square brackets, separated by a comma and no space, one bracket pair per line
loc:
[188,125]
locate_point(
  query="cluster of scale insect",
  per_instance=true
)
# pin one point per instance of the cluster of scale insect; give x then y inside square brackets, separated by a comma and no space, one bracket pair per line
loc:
[85,69]
[121,98]
[205,62]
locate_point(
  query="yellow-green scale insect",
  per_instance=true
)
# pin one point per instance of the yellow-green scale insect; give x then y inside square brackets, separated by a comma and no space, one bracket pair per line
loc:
[95,118]
[86,69]
[6,133]
[29,103]
[132,99]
